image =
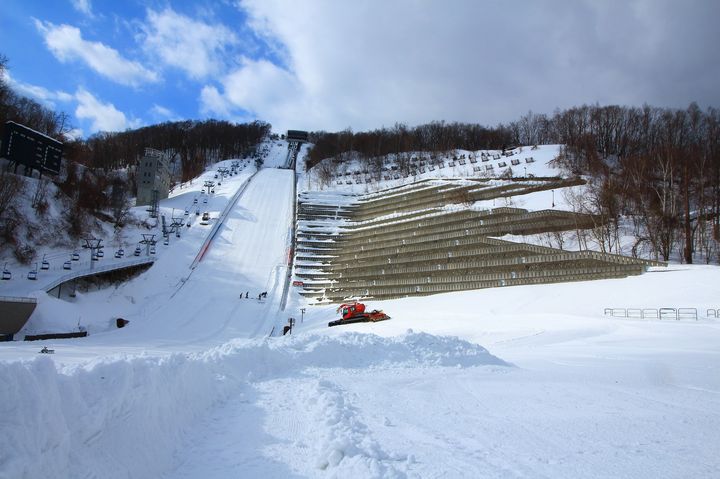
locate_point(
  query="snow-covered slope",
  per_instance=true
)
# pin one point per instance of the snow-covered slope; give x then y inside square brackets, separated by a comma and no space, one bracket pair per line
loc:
[528,381]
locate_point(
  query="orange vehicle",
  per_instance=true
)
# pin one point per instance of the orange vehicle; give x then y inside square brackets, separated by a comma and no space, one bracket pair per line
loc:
[355,313]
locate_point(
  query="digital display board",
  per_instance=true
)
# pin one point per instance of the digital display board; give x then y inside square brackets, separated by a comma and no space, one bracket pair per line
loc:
[25,146]
[297,135]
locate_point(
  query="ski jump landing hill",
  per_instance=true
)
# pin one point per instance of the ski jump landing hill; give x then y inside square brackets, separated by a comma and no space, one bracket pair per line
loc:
[248,238]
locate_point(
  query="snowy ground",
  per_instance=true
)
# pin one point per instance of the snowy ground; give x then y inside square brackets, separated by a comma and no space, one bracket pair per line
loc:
[528,381]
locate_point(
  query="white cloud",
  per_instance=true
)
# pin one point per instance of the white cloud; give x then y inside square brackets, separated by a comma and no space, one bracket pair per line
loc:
[161,112]
[187,44]
[67,44]
[258,87]
[365,65]
[258,84]
[39,93]
[103,116]
[213,103]
[74,134]
[82,6]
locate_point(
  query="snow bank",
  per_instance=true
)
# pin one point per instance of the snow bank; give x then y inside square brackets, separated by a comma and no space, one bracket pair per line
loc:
[117,418]
[124,416]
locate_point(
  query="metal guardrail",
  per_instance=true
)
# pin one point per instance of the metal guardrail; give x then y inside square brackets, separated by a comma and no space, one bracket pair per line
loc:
[292,236]
[220,220]
[677,314]
[17,299]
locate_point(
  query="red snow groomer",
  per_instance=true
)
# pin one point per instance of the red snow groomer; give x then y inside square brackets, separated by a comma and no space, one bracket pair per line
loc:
[355,313]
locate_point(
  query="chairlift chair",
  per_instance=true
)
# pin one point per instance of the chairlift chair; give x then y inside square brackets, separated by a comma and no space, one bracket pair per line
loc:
[194,201]
[137,251]
[100,253]
[67,265]
[94,257]
[45,265]
[6,274]
[167,241]
[76,256]
[152,250]
[32,275]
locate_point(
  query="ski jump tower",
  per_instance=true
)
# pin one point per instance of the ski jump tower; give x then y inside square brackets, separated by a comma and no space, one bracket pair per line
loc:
[153,178]
[295,138]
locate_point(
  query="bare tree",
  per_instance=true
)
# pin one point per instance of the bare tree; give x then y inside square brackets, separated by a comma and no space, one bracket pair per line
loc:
[10,186]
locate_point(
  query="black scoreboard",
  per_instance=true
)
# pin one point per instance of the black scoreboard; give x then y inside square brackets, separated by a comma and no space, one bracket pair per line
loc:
[297,135]
[24,146]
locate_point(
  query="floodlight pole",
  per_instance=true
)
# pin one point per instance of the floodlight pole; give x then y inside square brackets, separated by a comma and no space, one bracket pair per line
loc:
[302,314]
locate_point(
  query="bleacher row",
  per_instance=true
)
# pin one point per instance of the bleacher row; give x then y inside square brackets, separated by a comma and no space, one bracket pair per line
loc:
[418,166]
[423,239]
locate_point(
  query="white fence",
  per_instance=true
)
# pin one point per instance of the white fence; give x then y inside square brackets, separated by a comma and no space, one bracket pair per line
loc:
[677,314]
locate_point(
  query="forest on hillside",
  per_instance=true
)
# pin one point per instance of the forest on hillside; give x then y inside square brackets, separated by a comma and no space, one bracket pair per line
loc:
[195,142]
[97,177]
[658,168]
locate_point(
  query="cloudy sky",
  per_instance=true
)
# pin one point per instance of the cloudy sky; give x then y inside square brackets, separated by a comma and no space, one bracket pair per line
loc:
[336,64]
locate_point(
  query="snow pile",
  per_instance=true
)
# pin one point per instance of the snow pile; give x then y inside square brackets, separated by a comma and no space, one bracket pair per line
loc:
[120,417]
[346,441]
[124,416]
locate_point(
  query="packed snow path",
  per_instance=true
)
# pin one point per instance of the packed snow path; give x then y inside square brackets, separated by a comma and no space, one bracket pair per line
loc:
[247,257]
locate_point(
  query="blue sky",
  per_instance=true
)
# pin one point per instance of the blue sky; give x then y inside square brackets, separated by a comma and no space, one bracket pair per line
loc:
[116,65]
[362,64]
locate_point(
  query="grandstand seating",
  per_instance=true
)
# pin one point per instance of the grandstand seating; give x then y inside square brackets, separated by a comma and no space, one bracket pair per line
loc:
[425,238]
